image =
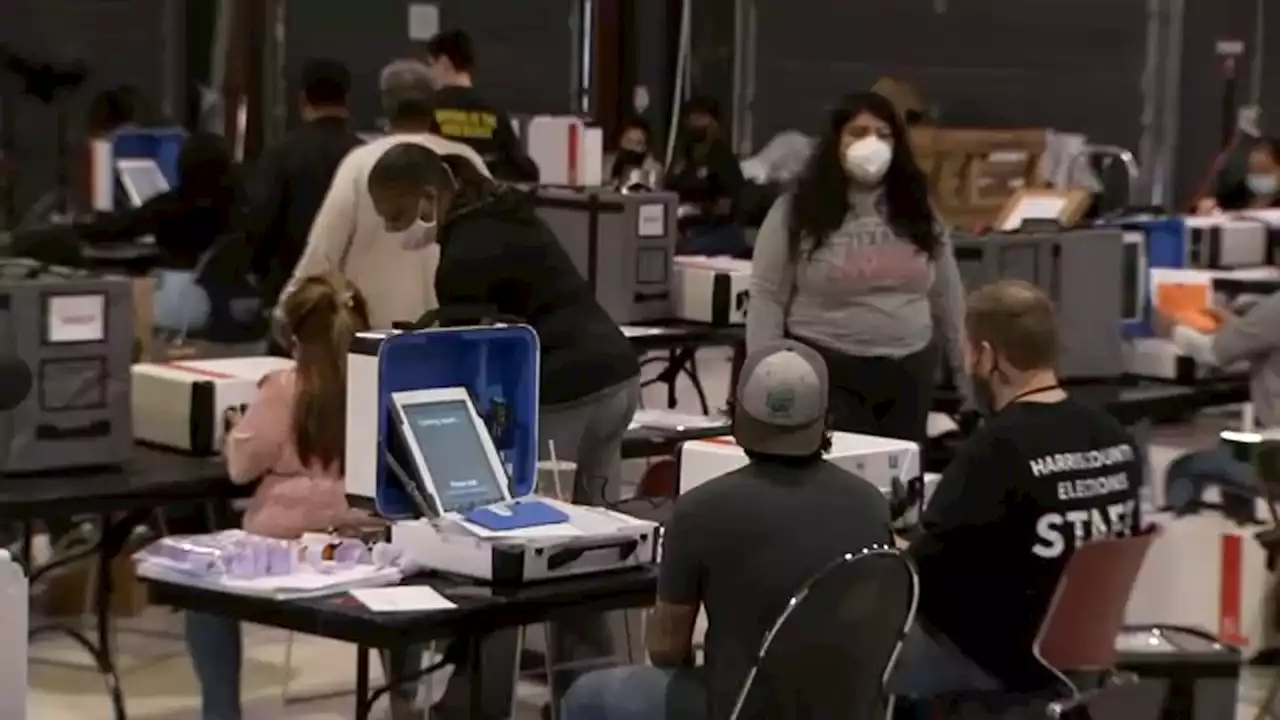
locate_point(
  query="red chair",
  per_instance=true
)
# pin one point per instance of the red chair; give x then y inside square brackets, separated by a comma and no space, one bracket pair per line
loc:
[1078,635]
[659,481]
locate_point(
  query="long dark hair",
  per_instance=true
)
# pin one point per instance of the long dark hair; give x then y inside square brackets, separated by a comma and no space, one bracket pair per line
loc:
[821,199]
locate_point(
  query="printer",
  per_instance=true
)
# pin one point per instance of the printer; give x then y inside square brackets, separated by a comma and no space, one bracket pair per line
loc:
[1157,357]
[454,468]
[1239,290]
[187,404]
[890,464]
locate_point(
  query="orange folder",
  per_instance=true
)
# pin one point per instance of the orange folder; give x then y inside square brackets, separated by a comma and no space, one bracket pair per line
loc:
[1187,304]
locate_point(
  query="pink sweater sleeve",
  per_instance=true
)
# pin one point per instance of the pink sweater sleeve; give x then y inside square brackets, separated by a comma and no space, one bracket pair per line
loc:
[256,443]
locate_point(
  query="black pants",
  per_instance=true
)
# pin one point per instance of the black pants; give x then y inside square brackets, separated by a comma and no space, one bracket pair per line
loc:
[884,396]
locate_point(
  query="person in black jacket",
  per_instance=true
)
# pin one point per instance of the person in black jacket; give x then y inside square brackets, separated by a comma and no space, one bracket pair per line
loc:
[497,257]
[1258,189]
[184,222]
[708,178]
[293,175]
[465,116]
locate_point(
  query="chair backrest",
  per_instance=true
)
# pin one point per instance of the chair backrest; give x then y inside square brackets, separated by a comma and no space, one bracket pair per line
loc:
[829,653]
[660,480]
[1087,611]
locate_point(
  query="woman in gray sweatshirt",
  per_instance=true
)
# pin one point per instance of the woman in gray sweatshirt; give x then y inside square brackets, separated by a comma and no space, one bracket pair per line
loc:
[854,263]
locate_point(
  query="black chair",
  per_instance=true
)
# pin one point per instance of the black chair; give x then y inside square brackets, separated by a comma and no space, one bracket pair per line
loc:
[1125,699]
[830,652]
[235,303]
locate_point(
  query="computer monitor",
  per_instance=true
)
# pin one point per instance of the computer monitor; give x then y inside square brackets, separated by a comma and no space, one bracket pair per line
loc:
[451,449]
[141,179]
[1133,292]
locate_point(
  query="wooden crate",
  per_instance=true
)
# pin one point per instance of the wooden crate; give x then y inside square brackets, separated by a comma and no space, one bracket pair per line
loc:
[973,172]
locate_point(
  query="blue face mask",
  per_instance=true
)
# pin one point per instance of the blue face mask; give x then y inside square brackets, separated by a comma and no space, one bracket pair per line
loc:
[1264,184]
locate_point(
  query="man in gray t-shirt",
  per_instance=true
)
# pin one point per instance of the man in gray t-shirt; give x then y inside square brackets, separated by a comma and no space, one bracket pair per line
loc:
[740,546]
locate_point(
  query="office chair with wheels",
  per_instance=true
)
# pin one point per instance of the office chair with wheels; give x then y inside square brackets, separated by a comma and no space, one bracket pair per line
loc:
[830,651]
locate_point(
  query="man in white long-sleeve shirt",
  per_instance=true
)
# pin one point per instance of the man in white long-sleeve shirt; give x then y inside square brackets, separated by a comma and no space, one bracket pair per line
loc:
[395,272]
[1252,338]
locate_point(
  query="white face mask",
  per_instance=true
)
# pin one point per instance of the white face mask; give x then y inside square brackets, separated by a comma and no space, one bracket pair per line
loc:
[1264,184]
[418,235]
[866,160]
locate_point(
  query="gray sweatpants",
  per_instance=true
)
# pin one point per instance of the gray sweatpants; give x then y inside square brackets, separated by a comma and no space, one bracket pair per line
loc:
[589,433]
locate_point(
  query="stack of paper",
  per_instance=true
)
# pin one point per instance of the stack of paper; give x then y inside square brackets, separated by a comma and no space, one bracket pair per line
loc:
[403,598]
[281,587]
[671,420]
[639,331]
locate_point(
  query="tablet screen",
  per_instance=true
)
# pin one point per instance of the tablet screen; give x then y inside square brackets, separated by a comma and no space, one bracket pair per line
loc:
[456,455]
[142,179]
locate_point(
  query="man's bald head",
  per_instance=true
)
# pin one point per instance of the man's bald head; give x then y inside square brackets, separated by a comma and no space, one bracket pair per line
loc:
[1016,319]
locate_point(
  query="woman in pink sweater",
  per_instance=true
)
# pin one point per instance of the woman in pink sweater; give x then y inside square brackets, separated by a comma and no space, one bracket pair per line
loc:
[291,440]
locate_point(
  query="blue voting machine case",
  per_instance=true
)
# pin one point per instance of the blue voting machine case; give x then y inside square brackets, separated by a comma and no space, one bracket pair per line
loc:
[496,364]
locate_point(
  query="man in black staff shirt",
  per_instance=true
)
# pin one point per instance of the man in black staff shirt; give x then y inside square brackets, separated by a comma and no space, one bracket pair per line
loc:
[1042,476]
[708,178]
[464,116]
[292,176]
[740,546]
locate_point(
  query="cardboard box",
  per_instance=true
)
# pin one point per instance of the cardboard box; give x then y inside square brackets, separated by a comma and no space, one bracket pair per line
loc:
[973,172]
[144,289]
[69,592]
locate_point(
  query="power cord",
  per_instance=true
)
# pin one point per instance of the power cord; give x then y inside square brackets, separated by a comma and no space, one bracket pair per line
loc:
[412,678]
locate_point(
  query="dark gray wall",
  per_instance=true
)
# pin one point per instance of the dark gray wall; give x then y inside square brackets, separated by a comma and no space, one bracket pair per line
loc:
[1070,64]
[122,41]
[653,69]
[1203,81]
[524,49]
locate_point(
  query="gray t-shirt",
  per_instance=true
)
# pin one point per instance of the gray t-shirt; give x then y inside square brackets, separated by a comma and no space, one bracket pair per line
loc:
[742,544]
[865,291]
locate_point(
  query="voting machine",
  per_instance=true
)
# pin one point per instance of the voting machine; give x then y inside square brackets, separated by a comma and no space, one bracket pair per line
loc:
[74,329]
[712,290]
[442,439]
[1093,276]
[622,243]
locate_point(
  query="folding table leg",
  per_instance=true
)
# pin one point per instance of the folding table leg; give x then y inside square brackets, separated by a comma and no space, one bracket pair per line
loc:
[475,664]
[362,683]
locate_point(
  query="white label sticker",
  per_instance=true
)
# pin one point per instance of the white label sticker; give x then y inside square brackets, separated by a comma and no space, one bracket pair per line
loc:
[651,220]
[424,21]
[76,319]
